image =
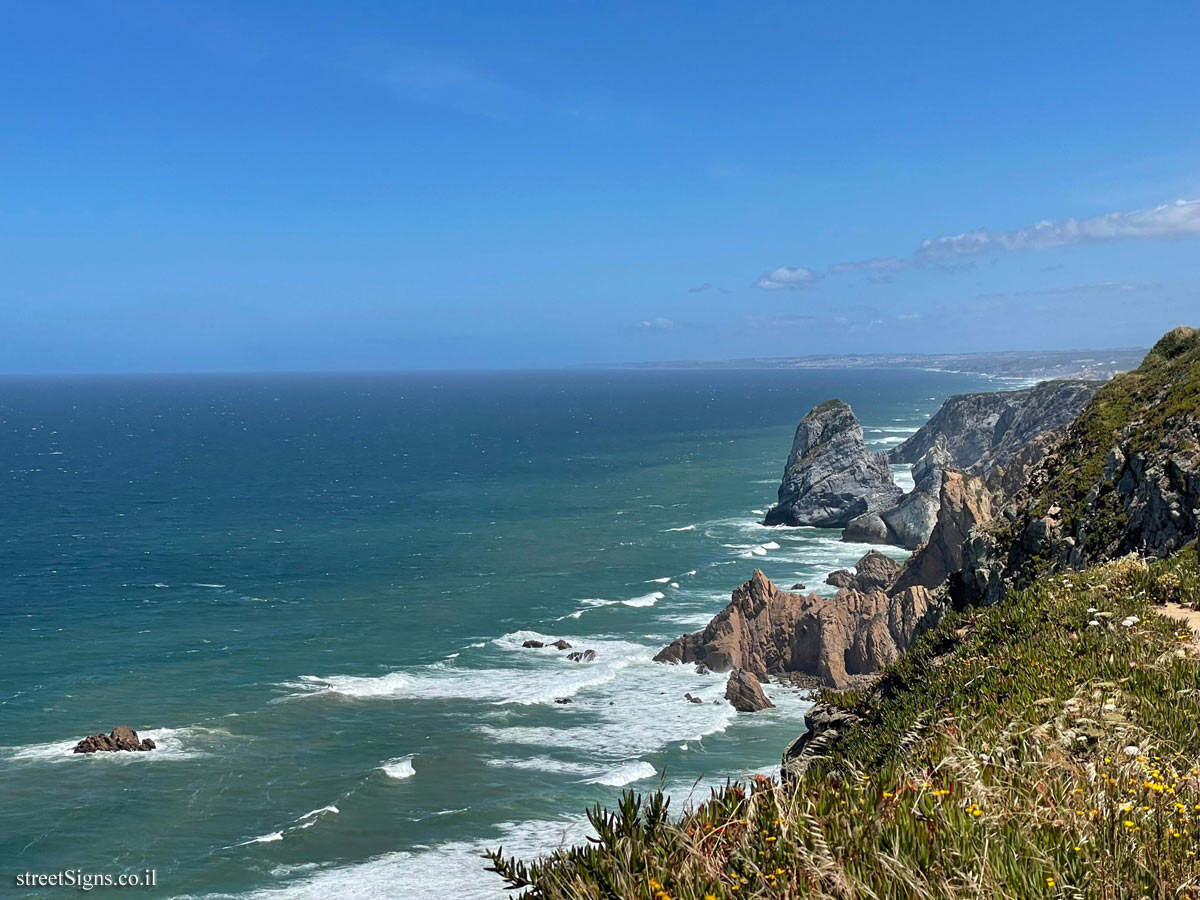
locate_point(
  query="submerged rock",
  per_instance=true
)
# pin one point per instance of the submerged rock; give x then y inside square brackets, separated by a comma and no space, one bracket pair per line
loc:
[120,738]
[830,476]
[745,693]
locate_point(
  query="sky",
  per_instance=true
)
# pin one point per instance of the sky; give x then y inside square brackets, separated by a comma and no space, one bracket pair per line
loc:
[301,186]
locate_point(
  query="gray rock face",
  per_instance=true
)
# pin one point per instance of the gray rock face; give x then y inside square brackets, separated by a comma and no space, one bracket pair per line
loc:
[830,477]
[988,429]
[1000,435]
[745,693]
[824,727]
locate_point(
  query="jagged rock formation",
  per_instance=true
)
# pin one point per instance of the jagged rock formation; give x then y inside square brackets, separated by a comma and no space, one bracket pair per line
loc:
[910,521]
[987,429]
[964,503]
[830,476]
[1003,433]
[120,738]
[874,572]
[1124,478]
[837,639]
[745,693]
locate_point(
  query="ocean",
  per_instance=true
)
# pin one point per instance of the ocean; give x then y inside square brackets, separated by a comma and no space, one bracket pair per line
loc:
[311,591]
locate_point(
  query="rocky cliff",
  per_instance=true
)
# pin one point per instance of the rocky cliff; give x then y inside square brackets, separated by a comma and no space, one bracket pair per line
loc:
[979,431]
[830,476]
[836,640]
[1124,478]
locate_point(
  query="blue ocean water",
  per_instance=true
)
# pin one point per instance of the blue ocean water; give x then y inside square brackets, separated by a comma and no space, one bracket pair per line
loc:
[312,591]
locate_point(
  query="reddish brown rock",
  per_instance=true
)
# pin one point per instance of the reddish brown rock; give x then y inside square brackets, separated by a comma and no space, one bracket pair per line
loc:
[767,631]
[965,503]
[744,692]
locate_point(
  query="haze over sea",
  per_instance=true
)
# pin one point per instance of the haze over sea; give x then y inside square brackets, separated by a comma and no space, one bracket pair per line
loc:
[312,591]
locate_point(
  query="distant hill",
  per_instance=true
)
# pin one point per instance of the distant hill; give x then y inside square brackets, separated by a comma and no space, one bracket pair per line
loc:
[1040,364]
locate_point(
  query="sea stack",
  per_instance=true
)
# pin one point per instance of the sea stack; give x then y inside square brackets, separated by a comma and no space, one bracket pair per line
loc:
[830,476]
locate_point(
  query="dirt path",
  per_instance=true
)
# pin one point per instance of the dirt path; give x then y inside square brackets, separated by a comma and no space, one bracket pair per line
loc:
[1186,615]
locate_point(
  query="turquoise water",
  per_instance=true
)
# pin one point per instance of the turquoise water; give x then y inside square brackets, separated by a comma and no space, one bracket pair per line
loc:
[312,592]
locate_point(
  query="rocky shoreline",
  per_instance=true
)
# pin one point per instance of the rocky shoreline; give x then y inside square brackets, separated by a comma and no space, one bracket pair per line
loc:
[974,463]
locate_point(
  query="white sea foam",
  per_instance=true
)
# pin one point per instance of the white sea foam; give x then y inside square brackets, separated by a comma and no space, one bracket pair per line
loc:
[659,580]
[451,869]
[312,814]
[759,551]
[644,600]
[399,768]
[758,512]
[531,678]
[264,839]
[674,584]
[626,773]
[542,764]
[682,528]
[170,744]
[770,545]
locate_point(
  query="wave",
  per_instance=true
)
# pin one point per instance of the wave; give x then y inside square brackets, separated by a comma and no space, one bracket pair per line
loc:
[770,545]
[312,814]
[625,774]
[544,764]
[264,839]
[644,600]
[658,580]
[399,768]
[450,869]
[682,528]
[533,678]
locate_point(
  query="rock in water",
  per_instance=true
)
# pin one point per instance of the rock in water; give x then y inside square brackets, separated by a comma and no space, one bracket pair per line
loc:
[560,644]
[830,476]
[768,631]
[745,693]
[533,645]
[582,656]
[120,738]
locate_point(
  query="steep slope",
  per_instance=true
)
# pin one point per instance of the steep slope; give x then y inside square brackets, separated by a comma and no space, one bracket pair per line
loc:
[1125,478]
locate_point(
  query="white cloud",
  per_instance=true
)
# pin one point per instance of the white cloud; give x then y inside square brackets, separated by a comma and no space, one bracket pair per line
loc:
[1171,220]
[788,278]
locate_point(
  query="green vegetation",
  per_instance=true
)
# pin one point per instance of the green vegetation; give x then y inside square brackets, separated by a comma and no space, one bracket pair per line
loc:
[1151,410]
[1044,747]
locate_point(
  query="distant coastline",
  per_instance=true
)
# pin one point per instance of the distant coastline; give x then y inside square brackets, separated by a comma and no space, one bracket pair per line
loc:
[1039,365]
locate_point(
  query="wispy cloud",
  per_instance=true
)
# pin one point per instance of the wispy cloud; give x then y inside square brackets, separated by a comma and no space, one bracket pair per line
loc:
[700,288]
[788,278]
[1180,219]
[1171,220]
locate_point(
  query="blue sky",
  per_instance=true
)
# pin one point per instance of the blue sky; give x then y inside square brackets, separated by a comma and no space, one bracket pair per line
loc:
[201,186]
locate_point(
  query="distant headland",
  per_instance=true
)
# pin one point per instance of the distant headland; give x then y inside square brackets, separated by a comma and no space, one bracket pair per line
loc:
[1038,364]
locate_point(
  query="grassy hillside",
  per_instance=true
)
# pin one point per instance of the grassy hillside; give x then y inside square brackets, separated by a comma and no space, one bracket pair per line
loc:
[1045,747]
